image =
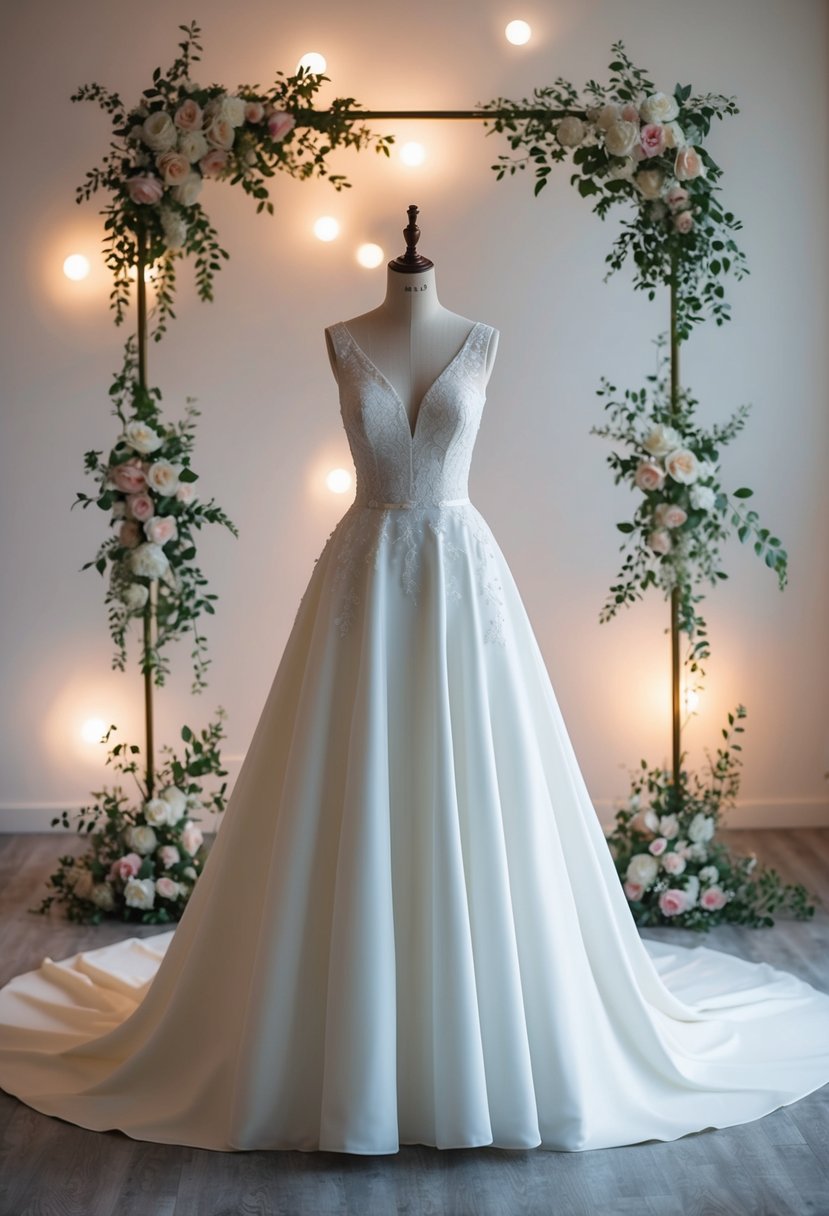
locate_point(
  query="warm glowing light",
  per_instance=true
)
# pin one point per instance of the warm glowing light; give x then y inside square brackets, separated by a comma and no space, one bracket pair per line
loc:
[150,273]
[691,700]
[338,481]
[413,153]
[326,228]
[313,62]
[93,729]
[370,256]
[76,267]
[518,33]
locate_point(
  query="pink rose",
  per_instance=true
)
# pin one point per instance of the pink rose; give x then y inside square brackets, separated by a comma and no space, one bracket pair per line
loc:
[125,867]
[145,188]
[279,124]
[657,847]
[645,822]
[712,899]
[630,112]
[672,863]
[140,507]
[167,888]
[634,891]
[129,536]
[669,515]
[660,540]
[688,164]
[682,465]
[185,492]
[191,837]
[649,476]
[188,116]
[173,167]
[652,138]
[672,902]
[219,132]
[254,111]
[128,477]
[684,222]
[169,856]
[160,529]
[676,197]
[214,162]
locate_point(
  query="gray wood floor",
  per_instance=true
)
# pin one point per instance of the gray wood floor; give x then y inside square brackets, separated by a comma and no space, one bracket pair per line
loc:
[777,1166]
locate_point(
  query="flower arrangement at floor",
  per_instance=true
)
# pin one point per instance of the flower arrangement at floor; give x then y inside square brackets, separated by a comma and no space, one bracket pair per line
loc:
[673,868]
[144,856]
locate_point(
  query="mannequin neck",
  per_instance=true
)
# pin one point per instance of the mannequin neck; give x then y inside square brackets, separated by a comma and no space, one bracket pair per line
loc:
[411,298]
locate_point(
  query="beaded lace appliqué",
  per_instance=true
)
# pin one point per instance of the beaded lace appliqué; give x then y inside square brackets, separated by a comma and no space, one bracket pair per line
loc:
[421,469]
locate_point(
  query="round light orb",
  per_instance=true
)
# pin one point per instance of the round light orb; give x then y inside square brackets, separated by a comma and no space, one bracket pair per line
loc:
[326,228]
[691,699]
[338,481]
[76,267]
[93,730]
[313,62]
[150,273]
[370,256]
[412,153]
[518,33]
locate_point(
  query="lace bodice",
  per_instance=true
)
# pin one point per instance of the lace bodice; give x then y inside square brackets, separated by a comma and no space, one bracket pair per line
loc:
[393,464]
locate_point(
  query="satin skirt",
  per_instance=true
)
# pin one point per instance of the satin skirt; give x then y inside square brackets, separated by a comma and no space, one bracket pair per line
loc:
[409,928]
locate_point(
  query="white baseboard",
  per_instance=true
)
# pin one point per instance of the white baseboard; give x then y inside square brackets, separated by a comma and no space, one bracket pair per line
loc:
[777,813]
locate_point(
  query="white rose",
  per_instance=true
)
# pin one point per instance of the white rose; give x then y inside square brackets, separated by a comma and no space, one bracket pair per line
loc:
[669,826]
[570,132]
[233,109]
[176,803]
[185,492]
[674,135]
[188,191]
[163,476]
[660,440]
[192,145]
[139,893]
[141,438]
[135,596]
[673,863]
[642,869]
[681,464]
[696,852]
[621,138]
[659,107]
[649,182]
[660,541]
[141,839]
[149,561]
[190,873]
[191,837]
[709,874]
[103,896]
[607,115]
[622,171]
[174,228]
[157,812]
[702,828]
[158,131]
[692,889]
[703,498]
[168,888]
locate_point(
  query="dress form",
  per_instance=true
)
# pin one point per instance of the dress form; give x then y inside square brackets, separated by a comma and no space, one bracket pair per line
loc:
[411,336]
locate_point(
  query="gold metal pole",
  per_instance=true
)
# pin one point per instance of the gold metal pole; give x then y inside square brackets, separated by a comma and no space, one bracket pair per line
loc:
[150,607]
[676,674]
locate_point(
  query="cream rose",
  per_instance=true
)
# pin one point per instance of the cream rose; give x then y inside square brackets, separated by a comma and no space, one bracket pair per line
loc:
[185,492]
[149,561]
[622,171]
[103,896]
[709,875]
[254,111]
[645,822]
[169,856]
[192,145]
[673,863]
[688,164]
[161,529]
[232,109]
[162,476]
[674,135]
[692,889]
[660,541]
[139,893]
[214,162]
[683,222]
[156,812]
[173,167]
[607,115]
[141,437]
[219,132]
[681,465]
[176,801]
[659,107]
[135,596]
[669,826]
[188,191]
[158,131]
[141,839]
[621,138]
[570,131]
[279,124]
[703,498]
[174,228]
[191,837]
[701,829]
[649,182]
[642,868]
[649,476]
[125,867]
[660,440]
[188,116]
[666,515]
[145,188]
[167,888]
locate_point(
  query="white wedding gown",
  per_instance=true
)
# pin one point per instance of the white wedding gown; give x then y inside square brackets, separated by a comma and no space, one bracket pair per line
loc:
[409,928]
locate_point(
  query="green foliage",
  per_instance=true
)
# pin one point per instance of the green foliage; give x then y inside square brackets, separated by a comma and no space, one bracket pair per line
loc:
[675,869]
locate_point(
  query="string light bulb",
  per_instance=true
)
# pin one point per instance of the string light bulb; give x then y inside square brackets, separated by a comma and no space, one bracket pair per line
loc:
[326,228]
[518,33]
[412,153]
[338,481]
[76,267]
[93,729]
[369,255]
[313,62]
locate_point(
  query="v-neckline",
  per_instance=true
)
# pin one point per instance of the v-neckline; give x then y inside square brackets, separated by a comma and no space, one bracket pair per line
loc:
[412,431]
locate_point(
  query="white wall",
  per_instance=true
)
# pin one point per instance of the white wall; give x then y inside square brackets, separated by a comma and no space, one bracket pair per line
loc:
[270,428]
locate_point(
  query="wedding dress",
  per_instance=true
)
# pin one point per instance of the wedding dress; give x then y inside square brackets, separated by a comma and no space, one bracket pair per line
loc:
[409,928]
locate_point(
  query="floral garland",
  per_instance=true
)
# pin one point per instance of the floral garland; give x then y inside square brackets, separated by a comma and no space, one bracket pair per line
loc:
[631,143]
[673,868]
[144,858]
[683,512]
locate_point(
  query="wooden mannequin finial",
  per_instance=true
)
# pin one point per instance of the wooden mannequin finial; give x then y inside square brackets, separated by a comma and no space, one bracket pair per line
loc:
[411,262]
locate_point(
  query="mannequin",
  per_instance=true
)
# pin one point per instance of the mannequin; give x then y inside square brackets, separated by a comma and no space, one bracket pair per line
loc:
[410,338]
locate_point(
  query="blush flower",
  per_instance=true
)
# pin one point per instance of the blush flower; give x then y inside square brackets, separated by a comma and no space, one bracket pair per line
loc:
[652,139]
[649,476]
[673,902]
[145,188]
